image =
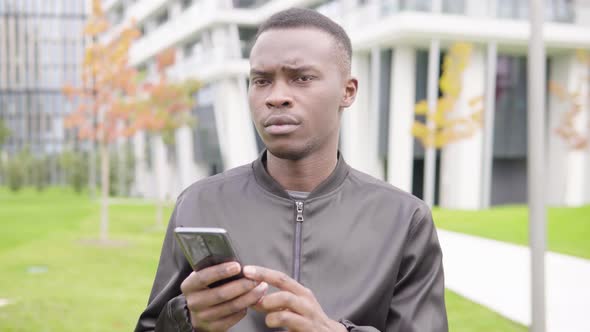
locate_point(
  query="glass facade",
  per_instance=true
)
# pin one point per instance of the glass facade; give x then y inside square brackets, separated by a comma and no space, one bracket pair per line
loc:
[247,35]
[205,137]
[393,6]
[453,6]
[41,49]
[555,10]
[510,131]
[249,3]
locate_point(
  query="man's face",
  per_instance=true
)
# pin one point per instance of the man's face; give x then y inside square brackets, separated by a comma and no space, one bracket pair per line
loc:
[297,90]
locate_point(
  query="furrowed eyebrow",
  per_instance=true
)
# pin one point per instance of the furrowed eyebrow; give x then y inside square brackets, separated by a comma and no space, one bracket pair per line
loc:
[286,68]
[297,68]
[256,72]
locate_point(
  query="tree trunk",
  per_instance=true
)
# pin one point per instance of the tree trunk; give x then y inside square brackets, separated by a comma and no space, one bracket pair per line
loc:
[432,97]
[121,169]
[104,211]
[159,159]
[160,213]
[92,170]
[429,176]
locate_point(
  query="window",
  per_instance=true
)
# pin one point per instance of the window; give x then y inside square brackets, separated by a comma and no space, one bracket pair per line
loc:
[417,5]
[162,18]
[454,6]
[555,10]
[185,3]
[561,10]
[171,153]
[511,107]
[248,3]
[187,50]
[147,151]
[247,35]
[193,48]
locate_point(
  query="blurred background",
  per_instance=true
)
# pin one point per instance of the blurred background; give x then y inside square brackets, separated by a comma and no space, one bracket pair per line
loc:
[109,109]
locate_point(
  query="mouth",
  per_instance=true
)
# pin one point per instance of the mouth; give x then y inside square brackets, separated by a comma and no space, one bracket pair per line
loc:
[281,124]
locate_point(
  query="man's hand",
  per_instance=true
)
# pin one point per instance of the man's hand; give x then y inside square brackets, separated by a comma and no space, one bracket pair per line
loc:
[294,307]
[219,308]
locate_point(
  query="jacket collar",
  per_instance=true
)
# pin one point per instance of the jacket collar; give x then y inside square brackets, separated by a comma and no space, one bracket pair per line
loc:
[270,184]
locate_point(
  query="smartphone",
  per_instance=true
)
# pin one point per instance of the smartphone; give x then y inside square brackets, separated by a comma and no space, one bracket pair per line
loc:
[206,246]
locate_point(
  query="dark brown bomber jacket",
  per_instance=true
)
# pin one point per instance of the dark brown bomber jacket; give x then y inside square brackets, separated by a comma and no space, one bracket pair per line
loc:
[367,250]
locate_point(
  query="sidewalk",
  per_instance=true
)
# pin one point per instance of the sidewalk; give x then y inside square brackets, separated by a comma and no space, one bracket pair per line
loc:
[497,275]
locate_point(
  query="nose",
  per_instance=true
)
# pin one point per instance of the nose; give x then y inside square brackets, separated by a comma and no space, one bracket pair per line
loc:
[279,97]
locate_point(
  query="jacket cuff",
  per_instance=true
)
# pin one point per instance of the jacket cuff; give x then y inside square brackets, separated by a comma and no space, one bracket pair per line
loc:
[347,324]
[174,317]
[352,327]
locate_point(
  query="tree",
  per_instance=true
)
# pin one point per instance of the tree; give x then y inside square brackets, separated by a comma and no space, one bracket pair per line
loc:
[4,134]
[75,164]
[447,127]
[18,169]
[103,114]
[569,129]
[163,108]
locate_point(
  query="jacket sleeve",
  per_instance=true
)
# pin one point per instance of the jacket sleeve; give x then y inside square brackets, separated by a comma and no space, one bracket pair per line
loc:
[418,303]
[166,310]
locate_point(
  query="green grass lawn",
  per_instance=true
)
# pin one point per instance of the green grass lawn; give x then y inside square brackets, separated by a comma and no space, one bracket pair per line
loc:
[89,288]
[568,229]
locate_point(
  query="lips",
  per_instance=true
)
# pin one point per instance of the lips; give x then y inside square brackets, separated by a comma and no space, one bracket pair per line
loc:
[281,124]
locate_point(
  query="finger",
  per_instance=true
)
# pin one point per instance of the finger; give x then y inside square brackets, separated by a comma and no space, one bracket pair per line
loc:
[289,320]
[223,324]
[258,306]
[209,297]
[233,306]
[286,300]
[203,278]
[275,278]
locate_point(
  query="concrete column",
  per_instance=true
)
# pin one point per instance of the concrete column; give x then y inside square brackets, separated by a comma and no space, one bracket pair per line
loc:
[488,124]
[188,171]
[3,55]
[461,161]
[359,122]
[569,177]
[174,10]
[374,162]
[161,169]
[144,184]
[478,8]
[436,6]
[234,125]
[582,10]
[401,117]
[350,139]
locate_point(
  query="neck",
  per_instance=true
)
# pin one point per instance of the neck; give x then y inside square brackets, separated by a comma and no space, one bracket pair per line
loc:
[301,175]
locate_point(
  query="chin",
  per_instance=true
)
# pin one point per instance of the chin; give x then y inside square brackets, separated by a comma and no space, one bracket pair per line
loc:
[290,151]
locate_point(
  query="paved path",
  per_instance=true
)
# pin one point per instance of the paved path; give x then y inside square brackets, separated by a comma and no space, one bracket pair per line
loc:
[497,275]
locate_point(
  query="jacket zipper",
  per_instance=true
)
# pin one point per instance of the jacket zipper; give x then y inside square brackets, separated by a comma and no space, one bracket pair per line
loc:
[297,245]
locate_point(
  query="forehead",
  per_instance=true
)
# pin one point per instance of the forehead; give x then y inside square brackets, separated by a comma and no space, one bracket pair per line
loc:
[293,47]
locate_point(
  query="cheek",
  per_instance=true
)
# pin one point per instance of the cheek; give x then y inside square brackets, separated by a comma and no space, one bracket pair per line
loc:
[328,103]
[255,108]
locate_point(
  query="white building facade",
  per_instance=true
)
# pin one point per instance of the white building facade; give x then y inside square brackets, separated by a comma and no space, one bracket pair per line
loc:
[391,41]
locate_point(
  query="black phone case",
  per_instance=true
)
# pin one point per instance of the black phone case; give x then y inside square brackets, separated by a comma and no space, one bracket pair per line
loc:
[203,250]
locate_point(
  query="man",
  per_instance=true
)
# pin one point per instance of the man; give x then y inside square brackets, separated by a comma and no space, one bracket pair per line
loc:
[325,247]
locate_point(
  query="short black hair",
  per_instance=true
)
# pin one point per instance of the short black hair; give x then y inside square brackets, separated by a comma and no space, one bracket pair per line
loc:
[307,18]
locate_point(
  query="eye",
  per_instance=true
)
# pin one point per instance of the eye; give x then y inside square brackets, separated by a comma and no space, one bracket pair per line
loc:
[260,81]
[304,78]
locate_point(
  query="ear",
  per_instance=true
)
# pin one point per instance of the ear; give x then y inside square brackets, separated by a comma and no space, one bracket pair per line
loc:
[351,88]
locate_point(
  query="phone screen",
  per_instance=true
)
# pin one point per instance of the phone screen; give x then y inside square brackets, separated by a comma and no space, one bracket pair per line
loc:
[205,247]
